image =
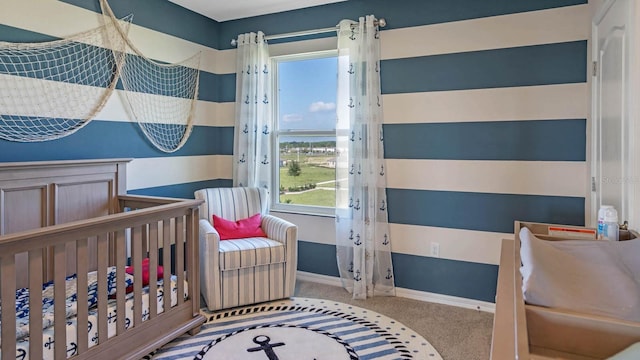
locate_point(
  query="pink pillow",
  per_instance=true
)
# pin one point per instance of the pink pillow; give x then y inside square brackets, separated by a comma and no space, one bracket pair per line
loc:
[245,228]
[145,273]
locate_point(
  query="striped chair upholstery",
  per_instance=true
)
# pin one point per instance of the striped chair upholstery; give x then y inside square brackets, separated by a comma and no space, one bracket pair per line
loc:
[244,271]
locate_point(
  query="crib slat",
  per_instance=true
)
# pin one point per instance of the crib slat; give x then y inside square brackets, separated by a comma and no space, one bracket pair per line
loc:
[8,300]
[82,264]
[59,305]
[35,303]
[166,262]
[193,266]
[153,270]
[121,258]
[103,296]
[136,252]
[180,258]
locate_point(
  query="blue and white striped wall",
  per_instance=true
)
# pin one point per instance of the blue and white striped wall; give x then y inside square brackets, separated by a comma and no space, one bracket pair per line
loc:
[486,114]
[485,109]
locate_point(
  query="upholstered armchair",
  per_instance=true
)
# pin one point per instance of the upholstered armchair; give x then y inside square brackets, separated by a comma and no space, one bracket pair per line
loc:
[250,270]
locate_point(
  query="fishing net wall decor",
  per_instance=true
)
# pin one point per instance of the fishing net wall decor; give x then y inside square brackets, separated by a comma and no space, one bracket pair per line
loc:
[69,80]
[161,97]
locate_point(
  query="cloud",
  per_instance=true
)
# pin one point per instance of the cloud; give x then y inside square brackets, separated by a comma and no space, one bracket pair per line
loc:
[321,106]
[291,117]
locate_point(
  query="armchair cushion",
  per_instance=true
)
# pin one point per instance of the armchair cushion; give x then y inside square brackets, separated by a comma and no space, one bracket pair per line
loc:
[240,229]
[250,252]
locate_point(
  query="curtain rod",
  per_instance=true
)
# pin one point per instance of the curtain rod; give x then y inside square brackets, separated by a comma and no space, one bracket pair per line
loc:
[379,22]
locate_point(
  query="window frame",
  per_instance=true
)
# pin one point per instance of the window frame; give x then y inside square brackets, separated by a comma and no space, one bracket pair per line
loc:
[277,133]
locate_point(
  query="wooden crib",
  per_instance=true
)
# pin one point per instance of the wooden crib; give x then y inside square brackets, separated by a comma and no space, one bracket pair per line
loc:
[73,217]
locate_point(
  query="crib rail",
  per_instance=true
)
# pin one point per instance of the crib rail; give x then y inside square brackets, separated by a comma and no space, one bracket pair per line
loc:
[160,229]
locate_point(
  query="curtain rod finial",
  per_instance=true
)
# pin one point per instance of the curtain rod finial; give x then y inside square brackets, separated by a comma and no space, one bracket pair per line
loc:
[382,22]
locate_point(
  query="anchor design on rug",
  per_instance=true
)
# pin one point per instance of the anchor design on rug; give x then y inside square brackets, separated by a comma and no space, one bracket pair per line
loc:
[263,341]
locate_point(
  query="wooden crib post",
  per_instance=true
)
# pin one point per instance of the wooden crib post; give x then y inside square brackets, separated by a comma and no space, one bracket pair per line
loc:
[8,299]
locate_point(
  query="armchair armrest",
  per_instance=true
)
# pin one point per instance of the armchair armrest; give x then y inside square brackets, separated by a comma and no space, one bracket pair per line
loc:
[279,229]
[206,228]
[209,242]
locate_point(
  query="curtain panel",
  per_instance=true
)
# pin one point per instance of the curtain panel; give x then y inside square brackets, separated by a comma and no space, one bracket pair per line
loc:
[363,241]
[254,123]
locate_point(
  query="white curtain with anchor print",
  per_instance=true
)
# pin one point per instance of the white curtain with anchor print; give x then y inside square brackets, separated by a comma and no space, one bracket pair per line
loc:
[252,151]
[362,229]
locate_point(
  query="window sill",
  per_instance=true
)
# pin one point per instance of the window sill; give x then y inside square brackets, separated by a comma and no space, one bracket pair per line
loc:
[330,212]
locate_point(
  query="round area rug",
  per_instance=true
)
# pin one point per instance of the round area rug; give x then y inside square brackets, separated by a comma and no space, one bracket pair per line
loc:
[299,328]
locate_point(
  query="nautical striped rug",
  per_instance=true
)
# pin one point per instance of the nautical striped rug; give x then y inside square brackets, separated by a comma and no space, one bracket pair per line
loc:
[300,329]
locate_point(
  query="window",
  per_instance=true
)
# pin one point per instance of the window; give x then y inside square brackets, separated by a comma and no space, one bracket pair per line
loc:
[305,135]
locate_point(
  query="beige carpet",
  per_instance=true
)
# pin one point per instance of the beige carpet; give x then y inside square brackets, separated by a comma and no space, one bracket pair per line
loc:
[456,333]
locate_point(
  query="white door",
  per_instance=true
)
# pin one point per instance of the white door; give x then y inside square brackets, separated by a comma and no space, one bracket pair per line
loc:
[612,159]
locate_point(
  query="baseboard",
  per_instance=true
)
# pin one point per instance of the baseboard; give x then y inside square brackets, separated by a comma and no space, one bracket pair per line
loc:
[409,293]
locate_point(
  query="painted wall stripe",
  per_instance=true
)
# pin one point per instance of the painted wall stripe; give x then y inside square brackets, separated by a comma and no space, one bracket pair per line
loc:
[561,101]
[217,87]
[108,139]
[555,25]
[60,20]
[455,244]
[317,258]
[519,66]
[183,191]
[212,87]
[463,279]
[398,14]
[225,114]
[163,171]
[557,178]
[207,113]
[480,211]
[543,140]
[162,16]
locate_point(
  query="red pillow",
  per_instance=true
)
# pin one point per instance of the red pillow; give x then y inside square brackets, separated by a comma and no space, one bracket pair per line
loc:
[145,273]
[245,228]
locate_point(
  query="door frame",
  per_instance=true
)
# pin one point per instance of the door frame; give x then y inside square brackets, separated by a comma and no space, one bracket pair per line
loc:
[632,113]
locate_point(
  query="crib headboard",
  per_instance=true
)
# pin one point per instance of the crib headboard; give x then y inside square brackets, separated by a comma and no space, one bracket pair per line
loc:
[40,194]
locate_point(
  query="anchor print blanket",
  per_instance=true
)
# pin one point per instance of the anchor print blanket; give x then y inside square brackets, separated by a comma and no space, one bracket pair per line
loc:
[22,311]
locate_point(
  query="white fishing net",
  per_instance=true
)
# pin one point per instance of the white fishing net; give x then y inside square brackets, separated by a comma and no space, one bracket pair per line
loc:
[69,80]
[161,97]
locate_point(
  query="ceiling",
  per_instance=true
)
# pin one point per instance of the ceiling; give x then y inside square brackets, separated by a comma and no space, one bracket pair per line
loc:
[223,10]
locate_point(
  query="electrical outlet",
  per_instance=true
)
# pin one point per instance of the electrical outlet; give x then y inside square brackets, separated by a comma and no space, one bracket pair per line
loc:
[435,249]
